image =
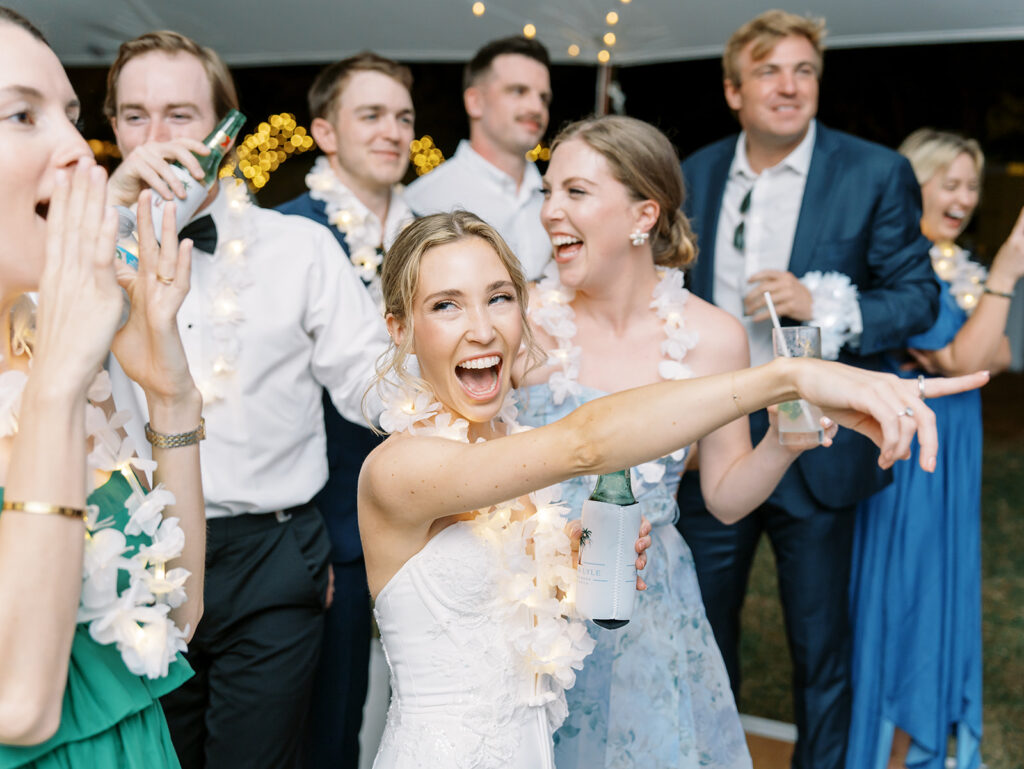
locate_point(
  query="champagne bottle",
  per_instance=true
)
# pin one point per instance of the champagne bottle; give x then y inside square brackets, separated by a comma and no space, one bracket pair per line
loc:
[606,577]
[218,142]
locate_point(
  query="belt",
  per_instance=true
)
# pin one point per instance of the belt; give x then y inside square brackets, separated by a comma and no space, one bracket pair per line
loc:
[233,526]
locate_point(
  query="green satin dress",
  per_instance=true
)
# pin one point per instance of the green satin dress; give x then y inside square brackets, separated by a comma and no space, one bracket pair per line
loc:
[110,718]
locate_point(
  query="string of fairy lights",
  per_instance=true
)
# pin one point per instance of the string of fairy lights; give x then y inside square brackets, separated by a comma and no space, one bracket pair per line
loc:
[280,137]
[607,40]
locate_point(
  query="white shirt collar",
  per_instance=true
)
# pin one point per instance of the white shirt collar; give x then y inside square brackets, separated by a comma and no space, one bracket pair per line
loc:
[799,160]
[531,176]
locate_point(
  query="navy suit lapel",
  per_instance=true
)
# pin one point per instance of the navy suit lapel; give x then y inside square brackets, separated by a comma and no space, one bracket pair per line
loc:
[319,208]
[820,180]
[703,279]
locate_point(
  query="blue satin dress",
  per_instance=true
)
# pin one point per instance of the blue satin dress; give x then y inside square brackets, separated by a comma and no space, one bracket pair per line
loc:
[915,592]
[654,693]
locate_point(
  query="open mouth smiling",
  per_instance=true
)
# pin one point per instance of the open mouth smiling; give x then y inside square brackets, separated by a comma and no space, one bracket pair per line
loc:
[566,246]
[480,377]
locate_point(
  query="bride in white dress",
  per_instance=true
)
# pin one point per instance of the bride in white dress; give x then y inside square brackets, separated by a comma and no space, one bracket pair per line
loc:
[470,566]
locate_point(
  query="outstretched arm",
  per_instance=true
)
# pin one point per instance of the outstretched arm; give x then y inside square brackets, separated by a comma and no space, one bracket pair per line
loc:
[416,480]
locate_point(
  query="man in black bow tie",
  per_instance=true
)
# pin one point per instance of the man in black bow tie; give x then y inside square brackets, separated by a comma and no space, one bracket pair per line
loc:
[276,314]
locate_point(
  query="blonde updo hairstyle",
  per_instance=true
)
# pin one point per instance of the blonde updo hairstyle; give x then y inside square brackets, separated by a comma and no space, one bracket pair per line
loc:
[400,276]
[643,161]
[930,151]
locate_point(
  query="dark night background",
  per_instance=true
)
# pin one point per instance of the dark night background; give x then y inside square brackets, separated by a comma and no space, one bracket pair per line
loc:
[880,94]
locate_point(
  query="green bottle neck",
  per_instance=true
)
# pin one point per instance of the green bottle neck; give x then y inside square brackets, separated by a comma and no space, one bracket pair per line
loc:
[219,142]
[614,488]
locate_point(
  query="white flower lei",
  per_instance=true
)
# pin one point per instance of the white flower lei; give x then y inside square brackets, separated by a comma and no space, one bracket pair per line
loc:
[966,278]
[136,620]
[360,226]
[553,312]
[543,627]
[835,310]
[230,278]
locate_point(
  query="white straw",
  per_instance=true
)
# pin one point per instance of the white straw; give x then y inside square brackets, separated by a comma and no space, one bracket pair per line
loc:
[777,324]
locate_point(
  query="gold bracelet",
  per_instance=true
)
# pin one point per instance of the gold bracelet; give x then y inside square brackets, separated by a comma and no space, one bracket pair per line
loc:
[44,508]
[735,397]
[176,440]
[1004,294]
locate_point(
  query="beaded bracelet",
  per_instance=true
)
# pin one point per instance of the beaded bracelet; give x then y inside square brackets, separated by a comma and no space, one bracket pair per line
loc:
[44,508]
[176,440]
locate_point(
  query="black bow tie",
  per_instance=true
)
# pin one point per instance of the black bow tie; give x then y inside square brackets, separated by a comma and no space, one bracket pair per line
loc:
[203,233]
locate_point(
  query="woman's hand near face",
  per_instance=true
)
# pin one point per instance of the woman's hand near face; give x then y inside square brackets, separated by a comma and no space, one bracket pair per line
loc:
[149,347]
[80,303]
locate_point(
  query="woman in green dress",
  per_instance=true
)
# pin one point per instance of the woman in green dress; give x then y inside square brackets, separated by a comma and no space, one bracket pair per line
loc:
[93,611]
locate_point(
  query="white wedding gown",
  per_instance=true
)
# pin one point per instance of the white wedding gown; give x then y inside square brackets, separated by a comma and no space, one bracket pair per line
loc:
[462,646]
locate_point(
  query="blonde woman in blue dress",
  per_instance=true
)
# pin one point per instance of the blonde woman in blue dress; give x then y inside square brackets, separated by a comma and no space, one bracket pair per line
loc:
[467,551]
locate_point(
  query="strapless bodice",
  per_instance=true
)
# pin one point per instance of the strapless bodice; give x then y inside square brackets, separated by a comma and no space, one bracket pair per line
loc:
[463,695]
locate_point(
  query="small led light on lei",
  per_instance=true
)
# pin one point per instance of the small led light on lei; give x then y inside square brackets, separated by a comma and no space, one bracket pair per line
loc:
[835,308]
[966,278]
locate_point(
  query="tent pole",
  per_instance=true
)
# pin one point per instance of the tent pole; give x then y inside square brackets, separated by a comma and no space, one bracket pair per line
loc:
[604,79]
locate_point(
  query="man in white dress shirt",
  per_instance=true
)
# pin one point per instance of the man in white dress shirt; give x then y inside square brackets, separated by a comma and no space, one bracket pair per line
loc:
[507,92]
[276,314]
[363,122]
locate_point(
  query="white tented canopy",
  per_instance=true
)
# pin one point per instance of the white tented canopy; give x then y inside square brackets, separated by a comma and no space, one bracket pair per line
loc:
[260,32]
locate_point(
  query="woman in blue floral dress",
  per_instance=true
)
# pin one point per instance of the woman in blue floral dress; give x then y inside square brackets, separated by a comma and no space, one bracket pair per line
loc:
[612,313]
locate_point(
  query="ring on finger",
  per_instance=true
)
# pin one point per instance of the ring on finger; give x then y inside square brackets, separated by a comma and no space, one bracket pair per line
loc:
[907,412]
[920,386]
[164,279]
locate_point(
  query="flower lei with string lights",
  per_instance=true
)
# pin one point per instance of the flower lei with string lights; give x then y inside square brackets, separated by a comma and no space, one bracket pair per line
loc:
[360,226]
[553,312]
[230,278]
[136,619]
[835,310]
[966,278]
[538,596]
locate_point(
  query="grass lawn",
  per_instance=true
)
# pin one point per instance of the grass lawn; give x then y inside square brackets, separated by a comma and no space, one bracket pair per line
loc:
[766,668]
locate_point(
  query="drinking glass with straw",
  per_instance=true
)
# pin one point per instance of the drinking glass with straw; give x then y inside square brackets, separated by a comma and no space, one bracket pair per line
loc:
[799,422]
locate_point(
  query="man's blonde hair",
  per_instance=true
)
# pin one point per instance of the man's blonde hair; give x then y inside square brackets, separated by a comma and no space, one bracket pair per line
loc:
[765,32]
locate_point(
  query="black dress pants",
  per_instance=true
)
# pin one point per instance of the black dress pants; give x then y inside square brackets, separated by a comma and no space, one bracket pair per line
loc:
[256,649]
[812,556]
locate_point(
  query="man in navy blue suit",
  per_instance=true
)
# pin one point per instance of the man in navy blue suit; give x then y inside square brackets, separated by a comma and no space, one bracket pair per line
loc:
[363,122]
[830,226]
